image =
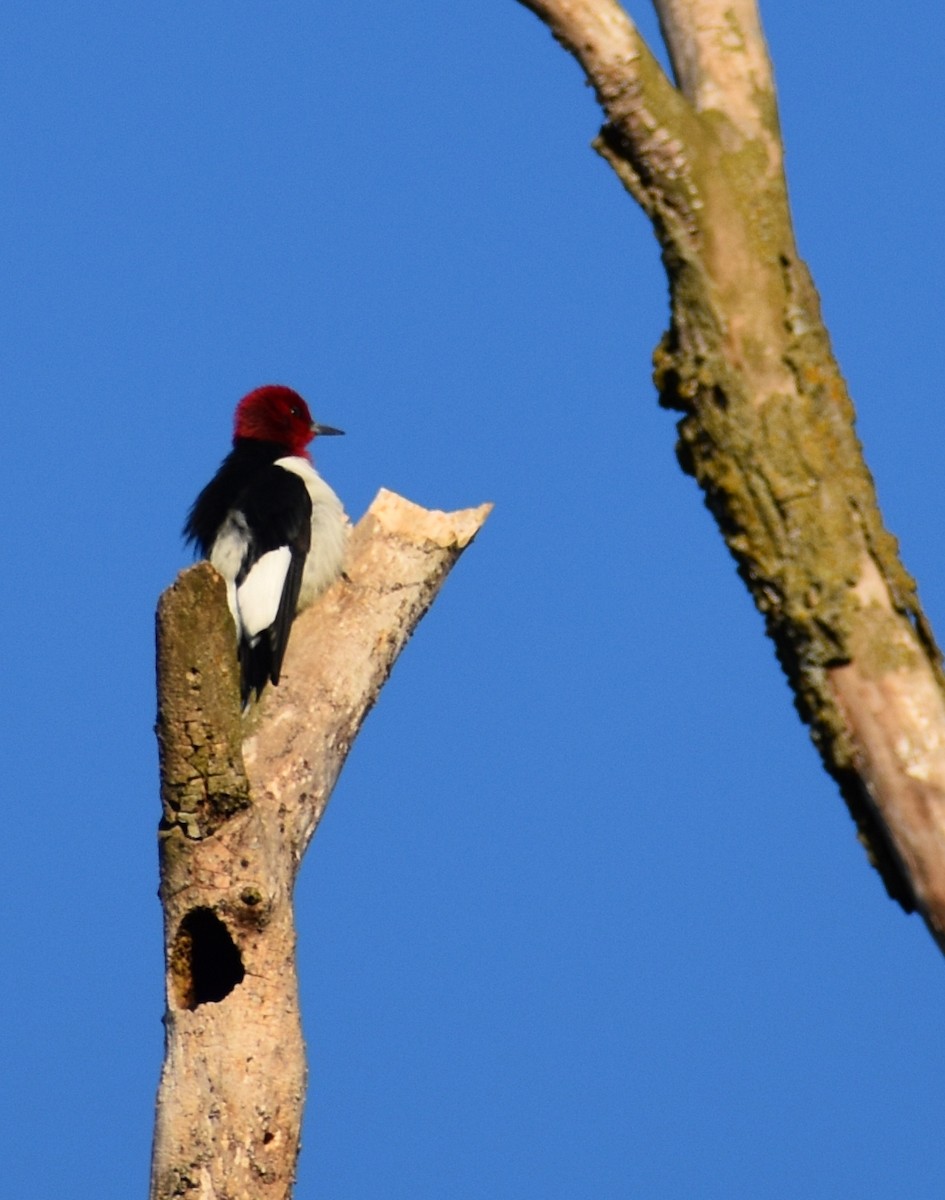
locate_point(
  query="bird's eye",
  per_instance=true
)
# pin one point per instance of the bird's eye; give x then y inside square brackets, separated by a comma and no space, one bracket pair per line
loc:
[295,411]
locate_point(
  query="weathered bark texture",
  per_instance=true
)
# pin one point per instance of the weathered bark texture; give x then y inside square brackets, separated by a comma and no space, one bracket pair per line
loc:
[241,801]
[767,426]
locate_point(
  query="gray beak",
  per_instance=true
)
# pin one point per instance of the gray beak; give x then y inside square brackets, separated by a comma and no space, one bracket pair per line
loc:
[325,430]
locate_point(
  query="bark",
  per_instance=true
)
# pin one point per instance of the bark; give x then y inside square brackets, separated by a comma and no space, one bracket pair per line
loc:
[767,426]
[241,800]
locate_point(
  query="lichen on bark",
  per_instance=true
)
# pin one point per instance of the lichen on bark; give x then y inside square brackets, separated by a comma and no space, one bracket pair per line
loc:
[203,782]
[767,427]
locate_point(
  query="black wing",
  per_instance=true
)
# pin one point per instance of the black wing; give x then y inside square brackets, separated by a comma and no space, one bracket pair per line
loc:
[238,473]
[277,510]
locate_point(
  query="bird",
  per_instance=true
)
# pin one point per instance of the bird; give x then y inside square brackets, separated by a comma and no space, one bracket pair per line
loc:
[271,526]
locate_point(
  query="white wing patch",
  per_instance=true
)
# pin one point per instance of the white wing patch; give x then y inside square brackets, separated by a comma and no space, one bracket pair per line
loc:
[258,596]
[255,603]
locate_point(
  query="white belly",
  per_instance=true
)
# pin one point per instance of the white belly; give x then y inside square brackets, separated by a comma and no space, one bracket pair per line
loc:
[330,529]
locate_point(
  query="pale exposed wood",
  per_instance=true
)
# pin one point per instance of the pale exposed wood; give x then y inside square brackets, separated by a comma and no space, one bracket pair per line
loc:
[600,33]
[231,1093]
[896,721]
[342,651]
[894,706]
[767,427]
[719,58]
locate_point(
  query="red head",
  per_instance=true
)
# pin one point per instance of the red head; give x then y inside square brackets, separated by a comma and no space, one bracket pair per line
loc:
[277,414]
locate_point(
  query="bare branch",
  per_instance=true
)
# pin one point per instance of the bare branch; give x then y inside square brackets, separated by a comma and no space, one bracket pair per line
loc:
[642,105]
[231,1093]
[719,58]
[342,651]
[605,41]
[891,698]
[767,426]
[667,152]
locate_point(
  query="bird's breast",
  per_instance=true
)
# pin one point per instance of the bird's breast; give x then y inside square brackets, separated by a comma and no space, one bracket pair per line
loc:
[330,529]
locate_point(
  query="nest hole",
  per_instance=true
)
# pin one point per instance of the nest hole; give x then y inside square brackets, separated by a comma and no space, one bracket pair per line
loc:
[206,964]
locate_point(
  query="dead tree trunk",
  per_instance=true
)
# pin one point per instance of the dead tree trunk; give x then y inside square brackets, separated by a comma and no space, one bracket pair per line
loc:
[241,802]
[767,427]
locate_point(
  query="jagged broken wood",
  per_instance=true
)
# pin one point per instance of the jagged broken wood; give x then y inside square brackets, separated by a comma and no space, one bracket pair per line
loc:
[241,800]
[767,426]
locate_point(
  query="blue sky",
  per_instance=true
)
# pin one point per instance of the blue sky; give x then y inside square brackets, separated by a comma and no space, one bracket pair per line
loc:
[584,918]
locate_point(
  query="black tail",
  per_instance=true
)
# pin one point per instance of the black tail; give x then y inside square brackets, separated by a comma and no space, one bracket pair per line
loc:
[256,668]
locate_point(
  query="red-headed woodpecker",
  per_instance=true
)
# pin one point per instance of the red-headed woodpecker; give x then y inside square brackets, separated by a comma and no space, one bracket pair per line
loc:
[271,526]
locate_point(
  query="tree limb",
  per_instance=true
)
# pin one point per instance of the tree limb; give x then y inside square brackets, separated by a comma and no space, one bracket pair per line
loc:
[645,110]
[767,427]
[232,838]
[718,55]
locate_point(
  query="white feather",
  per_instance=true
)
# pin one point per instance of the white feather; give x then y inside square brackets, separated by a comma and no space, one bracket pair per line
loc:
[255,602]
[258,596]
[227,554]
